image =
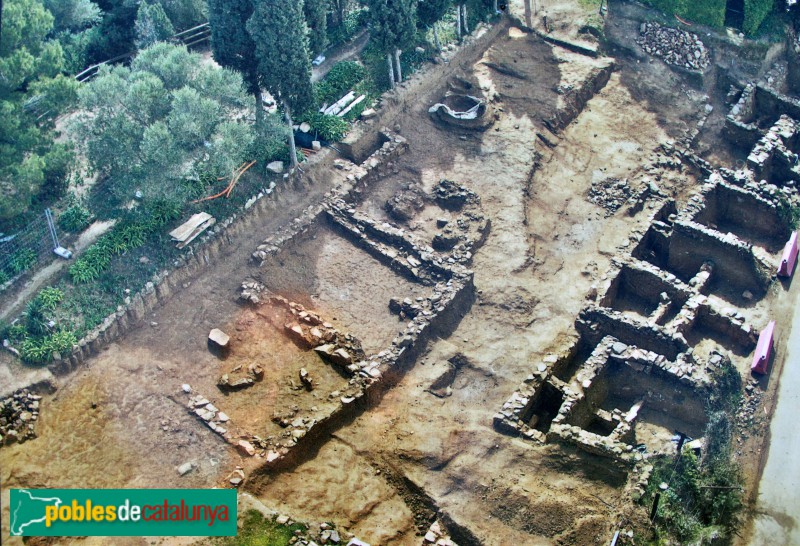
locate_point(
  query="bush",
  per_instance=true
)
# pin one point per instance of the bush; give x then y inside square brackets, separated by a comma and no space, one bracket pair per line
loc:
[131,233]
[35,318]
[36,350]
[342,77]
[330,128]
[74,219]
[50,297]
[22,260]
[755,11]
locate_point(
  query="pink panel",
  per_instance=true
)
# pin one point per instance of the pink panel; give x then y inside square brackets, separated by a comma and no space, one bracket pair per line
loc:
[763,349]
[789,257]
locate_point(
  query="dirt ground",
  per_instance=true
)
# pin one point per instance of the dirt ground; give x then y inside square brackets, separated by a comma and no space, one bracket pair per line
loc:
[387,473]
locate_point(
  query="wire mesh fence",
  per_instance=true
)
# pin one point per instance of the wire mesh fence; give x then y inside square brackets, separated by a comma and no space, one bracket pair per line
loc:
[25,249]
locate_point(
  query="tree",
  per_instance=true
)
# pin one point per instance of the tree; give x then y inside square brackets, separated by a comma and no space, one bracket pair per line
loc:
[185,14]
[393,28]
[73,15]
[30,86]
[115,34]
[429,12]
[152,25]
[339,10]
[316,14]
[281,37]
[232,45]
[166,118]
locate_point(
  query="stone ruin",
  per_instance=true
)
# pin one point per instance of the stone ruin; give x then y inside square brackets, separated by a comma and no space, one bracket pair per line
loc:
[439,261]
[18,415]
[665,322]
[461,108]
[676,47]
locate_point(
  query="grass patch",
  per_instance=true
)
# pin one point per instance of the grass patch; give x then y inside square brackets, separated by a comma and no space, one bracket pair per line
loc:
[704,499]
[256,530]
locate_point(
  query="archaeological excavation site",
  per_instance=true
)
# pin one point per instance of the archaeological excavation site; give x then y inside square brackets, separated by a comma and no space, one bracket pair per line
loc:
[541,294]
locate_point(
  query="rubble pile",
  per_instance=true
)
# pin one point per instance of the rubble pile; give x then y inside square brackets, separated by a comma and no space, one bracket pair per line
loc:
[750,403]
[453,196]
[311,331]
[675,47]
[405,204]
[18,415]
[610,193]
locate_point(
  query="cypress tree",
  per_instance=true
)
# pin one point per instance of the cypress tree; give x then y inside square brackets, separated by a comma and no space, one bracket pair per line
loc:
[429,12]
[232,45]
[316,14]
[393,28]
[281,44]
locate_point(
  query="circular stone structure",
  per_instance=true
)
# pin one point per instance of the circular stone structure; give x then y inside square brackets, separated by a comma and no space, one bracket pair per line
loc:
[461,110]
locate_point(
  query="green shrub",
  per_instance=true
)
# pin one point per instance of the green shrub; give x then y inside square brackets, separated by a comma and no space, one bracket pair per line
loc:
[755,11]
[330,128]
[341,78]
[702,498]
[74,219]
[50,297]
[256,530]
[16,332]
[39,350]
[22,260]
[129,234]
[4,277]
[35,318]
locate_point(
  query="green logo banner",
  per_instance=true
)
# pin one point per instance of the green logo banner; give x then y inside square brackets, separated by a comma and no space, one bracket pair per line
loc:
[123,512]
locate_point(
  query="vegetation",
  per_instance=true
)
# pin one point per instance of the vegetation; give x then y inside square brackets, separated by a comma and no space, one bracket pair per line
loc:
[284,68]
[712,12]
[127,235]
[429,13]
[232,47]
[341,78]
[393,28]
[31,62]
[152,25]
[167,117]
[344,31]
[256,530]
[704,498]
[789,213]
[74,219]
[755,11]
[316,15]
[330,128]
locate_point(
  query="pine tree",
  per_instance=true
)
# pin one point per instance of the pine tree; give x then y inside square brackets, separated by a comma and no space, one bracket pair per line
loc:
[152,25]
[316,14]
[281,38]
[232,45]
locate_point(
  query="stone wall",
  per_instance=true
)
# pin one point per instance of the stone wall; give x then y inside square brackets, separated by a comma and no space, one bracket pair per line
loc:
[735,207]
[692,244]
